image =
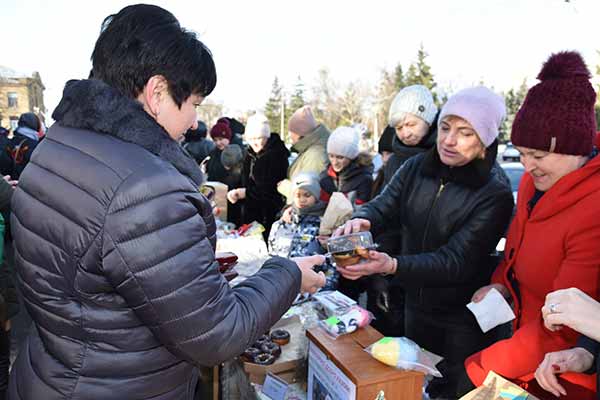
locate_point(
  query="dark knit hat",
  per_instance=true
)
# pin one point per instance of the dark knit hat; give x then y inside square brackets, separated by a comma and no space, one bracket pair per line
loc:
[30,120]
[558,113]
[231,156]
[195,135]
[220,130]
[386,139]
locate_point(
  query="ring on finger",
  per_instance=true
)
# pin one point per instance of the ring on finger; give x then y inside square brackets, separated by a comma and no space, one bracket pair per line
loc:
[552,308]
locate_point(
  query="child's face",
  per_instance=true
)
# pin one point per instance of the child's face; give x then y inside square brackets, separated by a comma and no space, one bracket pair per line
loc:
[303,198]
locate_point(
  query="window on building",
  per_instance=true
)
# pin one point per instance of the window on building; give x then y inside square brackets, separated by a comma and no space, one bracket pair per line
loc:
[12,99]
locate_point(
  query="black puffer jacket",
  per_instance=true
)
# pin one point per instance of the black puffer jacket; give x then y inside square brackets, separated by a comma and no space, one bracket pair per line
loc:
[115,258]
[451,219]
[355,181]
[403,152]
[262,171]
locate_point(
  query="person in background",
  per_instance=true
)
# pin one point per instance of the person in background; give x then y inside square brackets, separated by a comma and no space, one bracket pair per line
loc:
[553,239]
[115,244]
[197,144]
[221,136]
[300,237]
[453,203]
[6,160]
[24,141]
[411,130]
[9,304]
[413,115]
[237,131]
[577,310]
[265,165]
[232,159]
[309,140]
[348,171]
[384,148]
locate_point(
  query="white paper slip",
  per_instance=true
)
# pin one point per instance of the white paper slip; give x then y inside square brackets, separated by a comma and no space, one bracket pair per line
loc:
[492,311]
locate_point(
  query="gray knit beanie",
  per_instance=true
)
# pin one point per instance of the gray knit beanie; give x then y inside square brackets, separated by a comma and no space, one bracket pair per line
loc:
[416,100]
[231,156]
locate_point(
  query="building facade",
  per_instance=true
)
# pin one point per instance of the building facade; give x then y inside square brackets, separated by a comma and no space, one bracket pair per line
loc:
[20,93]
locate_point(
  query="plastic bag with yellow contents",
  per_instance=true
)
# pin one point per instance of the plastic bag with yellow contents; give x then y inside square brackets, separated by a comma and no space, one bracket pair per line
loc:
[403,353]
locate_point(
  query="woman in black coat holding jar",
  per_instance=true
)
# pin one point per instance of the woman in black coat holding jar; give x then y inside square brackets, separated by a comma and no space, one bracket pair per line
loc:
[453,203]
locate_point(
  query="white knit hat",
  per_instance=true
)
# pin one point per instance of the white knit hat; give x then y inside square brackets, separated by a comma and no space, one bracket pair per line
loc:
[416,100]
[343,142]
[257,126]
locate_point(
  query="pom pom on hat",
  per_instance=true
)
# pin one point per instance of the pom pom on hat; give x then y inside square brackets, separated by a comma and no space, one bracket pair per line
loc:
[564,65]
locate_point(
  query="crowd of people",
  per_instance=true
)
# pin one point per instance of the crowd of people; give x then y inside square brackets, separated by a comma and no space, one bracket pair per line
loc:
[113,243]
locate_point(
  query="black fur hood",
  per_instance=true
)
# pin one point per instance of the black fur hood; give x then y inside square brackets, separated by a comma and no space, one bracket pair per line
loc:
[93,105]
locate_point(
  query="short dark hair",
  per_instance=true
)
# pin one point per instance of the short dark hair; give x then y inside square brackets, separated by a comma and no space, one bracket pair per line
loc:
[141,41]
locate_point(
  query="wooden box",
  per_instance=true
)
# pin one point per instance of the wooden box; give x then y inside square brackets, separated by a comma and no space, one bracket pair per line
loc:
[341,369]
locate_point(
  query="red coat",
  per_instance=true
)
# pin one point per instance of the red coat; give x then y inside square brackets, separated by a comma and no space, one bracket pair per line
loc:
[556,247]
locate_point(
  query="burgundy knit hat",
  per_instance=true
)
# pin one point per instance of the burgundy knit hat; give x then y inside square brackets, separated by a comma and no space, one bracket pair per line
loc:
[220,130]
[558,113]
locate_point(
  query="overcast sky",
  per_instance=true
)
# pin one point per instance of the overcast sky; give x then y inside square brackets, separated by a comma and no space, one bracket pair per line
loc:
[499,42]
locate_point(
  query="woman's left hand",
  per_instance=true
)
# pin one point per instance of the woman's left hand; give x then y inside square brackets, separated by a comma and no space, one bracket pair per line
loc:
[378,263]
[573,308]
[241,192]
[559,362]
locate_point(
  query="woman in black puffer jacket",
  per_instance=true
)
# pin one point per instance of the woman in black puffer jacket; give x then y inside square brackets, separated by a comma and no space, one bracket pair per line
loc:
[453,204]
[114,244]
[265,165]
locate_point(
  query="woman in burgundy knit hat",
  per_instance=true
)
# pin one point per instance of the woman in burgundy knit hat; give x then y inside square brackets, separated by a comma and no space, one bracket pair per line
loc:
[553,241]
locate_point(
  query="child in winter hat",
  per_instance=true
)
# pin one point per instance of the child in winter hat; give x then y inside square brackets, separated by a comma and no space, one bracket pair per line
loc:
[232,156]
[299,237]
[344,141]
[416,100]
[302,122]
[481,108]
[557,115]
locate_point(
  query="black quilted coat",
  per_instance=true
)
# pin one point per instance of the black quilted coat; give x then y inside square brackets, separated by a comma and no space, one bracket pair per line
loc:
[115,258]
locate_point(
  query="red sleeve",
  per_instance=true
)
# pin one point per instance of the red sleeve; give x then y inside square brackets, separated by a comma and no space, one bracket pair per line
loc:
[324,196]
[519,356]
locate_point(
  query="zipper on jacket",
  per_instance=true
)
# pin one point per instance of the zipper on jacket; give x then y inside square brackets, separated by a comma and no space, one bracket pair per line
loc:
[437,196]
[435,199]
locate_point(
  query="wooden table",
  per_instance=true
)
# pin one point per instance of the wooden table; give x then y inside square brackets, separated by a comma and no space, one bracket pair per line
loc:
[369,375]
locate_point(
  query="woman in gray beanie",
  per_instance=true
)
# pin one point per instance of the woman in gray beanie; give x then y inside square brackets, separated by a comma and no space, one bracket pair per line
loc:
[413,115]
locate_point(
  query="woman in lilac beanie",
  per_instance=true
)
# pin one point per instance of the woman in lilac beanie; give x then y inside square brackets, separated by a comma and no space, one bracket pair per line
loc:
[453,204]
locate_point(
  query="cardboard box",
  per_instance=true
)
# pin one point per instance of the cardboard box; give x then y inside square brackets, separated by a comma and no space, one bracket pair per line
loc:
[496,387]
[286,366]
[341,369]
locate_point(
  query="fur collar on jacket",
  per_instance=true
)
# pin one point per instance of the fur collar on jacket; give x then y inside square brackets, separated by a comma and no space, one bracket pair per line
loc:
[93,105]
[475,174]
